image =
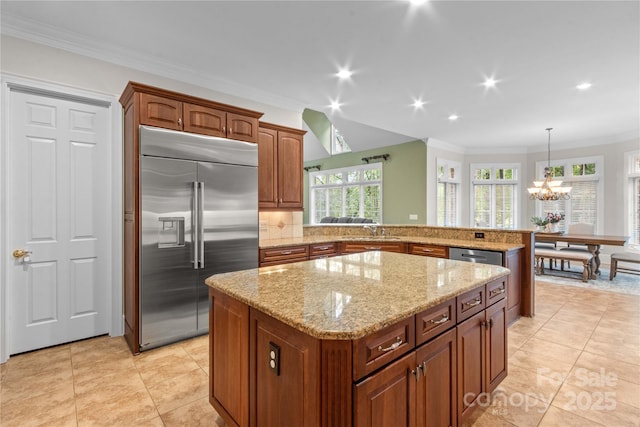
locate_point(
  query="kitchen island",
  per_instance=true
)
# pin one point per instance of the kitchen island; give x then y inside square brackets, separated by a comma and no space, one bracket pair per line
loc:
[373,338]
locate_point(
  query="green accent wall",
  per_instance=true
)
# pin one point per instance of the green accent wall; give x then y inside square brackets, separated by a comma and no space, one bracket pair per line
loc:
[319,125]
[404,179]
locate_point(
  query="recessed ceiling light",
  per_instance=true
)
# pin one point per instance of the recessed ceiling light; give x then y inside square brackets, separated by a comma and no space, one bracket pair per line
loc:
[489,82]
[418,104]
[454,117]
[583,86]
[417,2]
[344,74]
[335,105]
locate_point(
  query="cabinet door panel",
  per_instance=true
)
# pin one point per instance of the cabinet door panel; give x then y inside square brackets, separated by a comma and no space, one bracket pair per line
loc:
[289,396]
[290,163]
[161,112]
[513,261]
[436,394]
[387,398]
[229,347]
[267,168]
[203,120]
[471,363]
[242,128]
[496,345]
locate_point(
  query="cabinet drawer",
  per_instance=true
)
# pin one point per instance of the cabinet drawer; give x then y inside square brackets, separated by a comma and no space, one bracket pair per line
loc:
[470,303]
[496,290]
[429,250]
[354,247]
[283,255]
[435,320]
[320,250]
[380,348]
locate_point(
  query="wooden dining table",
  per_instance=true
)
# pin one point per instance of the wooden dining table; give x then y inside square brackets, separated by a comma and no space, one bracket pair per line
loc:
[591,241]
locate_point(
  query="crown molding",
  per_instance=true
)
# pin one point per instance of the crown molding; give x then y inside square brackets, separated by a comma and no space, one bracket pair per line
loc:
[72,42]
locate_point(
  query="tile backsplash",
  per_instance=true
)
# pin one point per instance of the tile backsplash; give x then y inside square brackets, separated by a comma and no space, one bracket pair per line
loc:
[280,224]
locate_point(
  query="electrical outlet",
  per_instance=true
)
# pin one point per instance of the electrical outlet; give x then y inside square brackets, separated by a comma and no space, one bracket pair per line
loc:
[413,217]
[479,235]
[274,358]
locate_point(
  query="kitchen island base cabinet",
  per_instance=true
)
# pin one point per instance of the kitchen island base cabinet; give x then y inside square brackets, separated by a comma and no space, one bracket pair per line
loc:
[388,397]
[436,390]
[482,355]
[229,348]
[284,368]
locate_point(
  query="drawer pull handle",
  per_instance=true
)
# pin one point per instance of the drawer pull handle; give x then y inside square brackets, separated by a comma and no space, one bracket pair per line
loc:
[392,346]
[498,291]
[442,320]
[427,250]
[322,248]
[285,253]
[372,248]
[477,301]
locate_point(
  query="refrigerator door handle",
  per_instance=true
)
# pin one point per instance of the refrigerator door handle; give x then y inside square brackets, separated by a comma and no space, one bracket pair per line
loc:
[200,215]
[196,225]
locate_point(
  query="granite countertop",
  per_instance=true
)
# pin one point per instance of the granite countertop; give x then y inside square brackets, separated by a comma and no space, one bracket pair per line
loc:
[351,296]
[467,244]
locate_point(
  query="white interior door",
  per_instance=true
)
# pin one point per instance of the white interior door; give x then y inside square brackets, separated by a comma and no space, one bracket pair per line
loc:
[57,202]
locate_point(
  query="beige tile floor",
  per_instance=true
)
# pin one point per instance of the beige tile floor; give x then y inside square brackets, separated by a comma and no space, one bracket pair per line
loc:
[576,363]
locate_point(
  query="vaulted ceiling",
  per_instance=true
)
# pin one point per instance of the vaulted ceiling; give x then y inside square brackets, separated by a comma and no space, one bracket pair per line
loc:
[287,53]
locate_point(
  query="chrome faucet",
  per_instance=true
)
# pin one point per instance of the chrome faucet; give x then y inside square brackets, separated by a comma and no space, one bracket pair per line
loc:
[372,228]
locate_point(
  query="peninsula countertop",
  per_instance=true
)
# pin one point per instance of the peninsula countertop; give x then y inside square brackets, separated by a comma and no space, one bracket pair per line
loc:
[459,243]
[351,296]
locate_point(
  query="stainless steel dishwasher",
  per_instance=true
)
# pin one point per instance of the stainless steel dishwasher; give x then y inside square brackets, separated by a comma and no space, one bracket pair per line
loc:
[476,255]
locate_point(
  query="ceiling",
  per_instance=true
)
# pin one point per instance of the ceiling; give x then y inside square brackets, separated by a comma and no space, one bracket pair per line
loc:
[287,53]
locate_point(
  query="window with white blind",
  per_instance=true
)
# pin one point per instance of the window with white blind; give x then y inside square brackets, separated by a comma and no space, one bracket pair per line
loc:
[448,196]
[494,195]
[346,192]
[585,176]
[633,208]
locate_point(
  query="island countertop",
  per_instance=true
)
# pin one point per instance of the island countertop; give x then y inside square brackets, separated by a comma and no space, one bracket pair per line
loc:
[351,296]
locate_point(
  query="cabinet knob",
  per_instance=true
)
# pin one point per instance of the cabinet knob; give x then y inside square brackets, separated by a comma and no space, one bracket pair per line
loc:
[180,121]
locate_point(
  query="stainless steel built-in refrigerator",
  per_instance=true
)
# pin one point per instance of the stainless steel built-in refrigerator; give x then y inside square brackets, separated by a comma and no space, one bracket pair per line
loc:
[199,217]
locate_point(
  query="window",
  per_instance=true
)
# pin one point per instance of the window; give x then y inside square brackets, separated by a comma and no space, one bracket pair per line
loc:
[347,192]
[633,222]
[585,177]
[494,195]
[448,193]
[338,143]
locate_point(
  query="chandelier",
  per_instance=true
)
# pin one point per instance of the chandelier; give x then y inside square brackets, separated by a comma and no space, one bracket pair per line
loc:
[548,189]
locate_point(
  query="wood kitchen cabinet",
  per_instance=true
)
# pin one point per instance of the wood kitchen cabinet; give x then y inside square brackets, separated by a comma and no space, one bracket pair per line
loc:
[147,105]
[283,255]
[388,397]
[482,355]
[284,386]
[280,166]
[436,391]
[428,250]
[323,250]
[363,246]
[424,370]
[170,110]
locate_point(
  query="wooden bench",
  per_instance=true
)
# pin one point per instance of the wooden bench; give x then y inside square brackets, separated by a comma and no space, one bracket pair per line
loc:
[565,255]
[624,257]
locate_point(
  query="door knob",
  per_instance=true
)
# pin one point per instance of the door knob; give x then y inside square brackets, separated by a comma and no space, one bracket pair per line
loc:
[20,253]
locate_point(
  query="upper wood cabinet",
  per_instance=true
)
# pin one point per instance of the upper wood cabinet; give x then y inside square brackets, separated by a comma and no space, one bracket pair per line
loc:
[280,165]
[176,111]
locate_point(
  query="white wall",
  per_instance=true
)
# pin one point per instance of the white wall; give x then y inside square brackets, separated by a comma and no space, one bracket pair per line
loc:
[36,61]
